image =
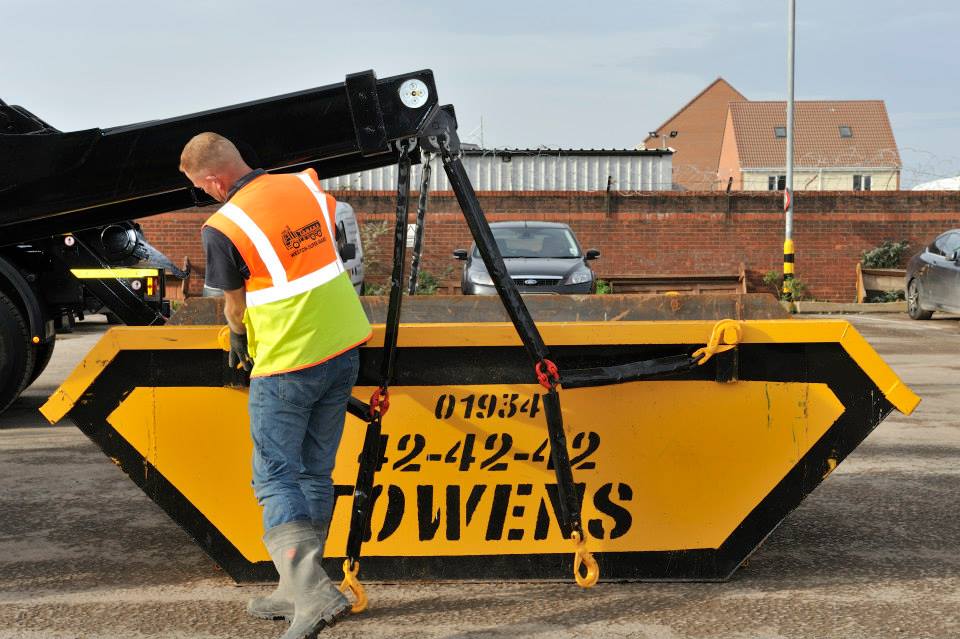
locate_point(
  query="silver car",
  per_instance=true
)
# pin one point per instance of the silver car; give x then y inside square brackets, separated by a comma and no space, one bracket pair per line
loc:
[541,257]
[933,277]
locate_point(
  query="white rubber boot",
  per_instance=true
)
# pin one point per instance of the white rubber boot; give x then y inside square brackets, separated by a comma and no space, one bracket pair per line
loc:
[279,603]
[295,550]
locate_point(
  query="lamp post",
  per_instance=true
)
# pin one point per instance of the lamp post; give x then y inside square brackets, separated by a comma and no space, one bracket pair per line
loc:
[788,256]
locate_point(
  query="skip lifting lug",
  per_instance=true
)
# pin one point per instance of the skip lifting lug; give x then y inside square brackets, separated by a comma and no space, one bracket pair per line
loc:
[726,334]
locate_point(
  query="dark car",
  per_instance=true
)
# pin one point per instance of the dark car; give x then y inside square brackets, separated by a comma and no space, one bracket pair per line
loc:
[933,278]
[541,257]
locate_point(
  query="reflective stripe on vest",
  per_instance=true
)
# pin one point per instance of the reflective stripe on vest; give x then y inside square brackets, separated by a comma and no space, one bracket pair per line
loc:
[283,288]
[270,258]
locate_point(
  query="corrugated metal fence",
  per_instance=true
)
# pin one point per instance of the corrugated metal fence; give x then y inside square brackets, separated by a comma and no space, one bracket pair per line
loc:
[534,170]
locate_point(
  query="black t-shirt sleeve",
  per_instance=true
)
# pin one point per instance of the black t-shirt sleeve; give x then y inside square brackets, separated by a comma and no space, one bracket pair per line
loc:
[226,269]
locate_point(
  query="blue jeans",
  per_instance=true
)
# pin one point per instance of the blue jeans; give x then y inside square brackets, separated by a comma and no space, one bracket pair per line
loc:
[296,421]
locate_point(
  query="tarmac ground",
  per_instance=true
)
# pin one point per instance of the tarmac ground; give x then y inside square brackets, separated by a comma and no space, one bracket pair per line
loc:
[873,552]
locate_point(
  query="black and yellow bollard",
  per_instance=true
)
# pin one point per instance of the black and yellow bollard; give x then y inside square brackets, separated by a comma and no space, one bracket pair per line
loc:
[788,262]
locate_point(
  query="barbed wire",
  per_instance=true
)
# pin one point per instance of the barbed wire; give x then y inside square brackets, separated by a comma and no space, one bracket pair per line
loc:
[882,165]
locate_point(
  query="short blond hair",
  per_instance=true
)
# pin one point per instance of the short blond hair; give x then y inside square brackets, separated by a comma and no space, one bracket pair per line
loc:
[209,153]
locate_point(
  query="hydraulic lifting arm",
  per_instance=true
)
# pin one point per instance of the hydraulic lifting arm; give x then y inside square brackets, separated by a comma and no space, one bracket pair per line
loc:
[53,182]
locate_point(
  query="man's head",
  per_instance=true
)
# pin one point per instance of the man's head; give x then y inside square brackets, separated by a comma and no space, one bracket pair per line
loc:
[212,163]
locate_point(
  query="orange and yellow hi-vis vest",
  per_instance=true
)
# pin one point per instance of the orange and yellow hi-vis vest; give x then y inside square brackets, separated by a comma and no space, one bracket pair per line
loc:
[301,306]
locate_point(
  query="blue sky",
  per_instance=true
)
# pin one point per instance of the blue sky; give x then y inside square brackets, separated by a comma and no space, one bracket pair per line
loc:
[585,75]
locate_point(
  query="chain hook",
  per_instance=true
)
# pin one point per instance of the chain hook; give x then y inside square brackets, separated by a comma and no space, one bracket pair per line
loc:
[588,577]
[351,583]
[725,335]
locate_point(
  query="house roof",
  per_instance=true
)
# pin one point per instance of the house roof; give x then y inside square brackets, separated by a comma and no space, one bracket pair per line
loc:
[699,124]
[817,138]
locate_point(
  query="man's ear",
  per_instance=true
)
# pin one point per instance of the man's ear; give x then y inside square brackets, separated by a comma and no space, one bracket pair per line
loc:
[216,187]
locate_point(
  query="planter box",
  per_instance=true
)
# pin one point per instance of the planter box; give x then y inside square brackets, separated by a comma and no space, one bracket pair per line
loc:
[878,280]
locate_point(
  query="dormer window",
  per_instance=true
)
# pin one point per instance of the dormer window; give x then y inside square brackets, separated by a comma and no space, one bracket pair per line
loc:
[846,132]
[780,131]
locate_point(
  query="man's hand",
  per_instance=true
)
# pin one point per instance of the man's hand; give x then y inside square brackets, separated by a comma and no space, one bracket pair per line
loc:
[239,356]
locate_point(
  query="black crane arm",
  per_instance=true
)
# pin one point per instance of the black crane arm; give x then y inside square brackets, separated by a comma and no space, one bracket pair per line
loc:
[53,182]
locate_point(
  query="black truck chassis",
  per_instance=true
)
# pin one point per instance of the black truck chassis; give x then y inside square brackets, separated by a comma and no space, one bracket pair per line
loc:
[67,198]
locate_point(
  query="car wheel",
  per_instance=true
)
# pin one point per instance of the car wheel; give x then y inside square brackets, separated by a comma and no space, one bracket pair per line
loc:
[913,302]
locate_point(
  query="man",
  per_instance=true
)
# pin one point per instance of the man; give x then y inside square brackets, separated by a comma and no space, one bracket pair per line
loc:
[295,324]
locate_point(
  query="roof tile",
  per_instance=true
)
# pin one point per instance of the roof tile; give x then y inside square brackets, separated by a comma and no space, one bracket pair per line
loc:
[817,141]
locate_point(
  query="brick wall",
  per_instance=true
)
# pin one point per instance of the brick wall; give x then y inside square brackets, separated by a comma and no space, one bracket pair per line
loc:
[659,233]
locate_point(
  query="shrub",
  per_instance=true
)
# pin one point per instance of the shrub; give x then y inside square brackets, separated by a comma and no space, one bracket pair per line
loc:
[370,232]
[887,255]
[428,283]
[886,296]
[796,289]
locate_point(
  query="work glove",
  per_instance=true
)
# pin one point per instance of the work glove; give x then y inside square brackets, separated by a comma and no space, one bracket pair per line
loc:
[239,356]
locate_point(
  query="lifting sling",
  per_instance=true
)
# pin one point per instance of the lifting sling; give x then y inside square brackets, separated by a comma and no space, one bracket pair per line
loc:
[586,570]
[421,215]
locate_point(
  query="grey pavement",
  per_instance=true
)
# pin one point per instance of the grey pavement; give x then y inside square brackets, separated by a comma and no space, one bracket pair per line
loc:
[873,552]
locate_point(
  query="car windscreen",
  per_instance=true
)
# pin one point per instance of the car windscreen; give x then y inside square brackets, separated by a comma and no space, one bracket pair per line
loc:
[534,242]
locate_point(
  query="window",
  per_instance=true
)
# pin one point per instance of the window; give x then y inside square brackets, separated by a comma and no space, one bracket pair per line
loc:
[862,182]
[776,182]
[780,131]
[946,244]
[846,132]
[518,241]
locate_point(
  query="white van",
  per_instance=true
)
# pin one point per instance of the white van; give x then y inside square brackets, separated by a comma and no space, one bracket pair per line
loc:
[348,232]
[349,247]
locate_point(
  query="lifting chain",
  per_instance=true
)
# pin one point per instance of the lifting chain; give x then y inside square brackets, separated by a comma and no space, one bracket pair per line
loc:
[380,400]
[547,372]
[421,220]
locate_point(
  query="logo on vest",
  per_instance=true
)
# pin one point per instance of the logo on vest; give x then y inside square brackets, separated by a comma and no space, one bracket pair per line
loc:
[304,238]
